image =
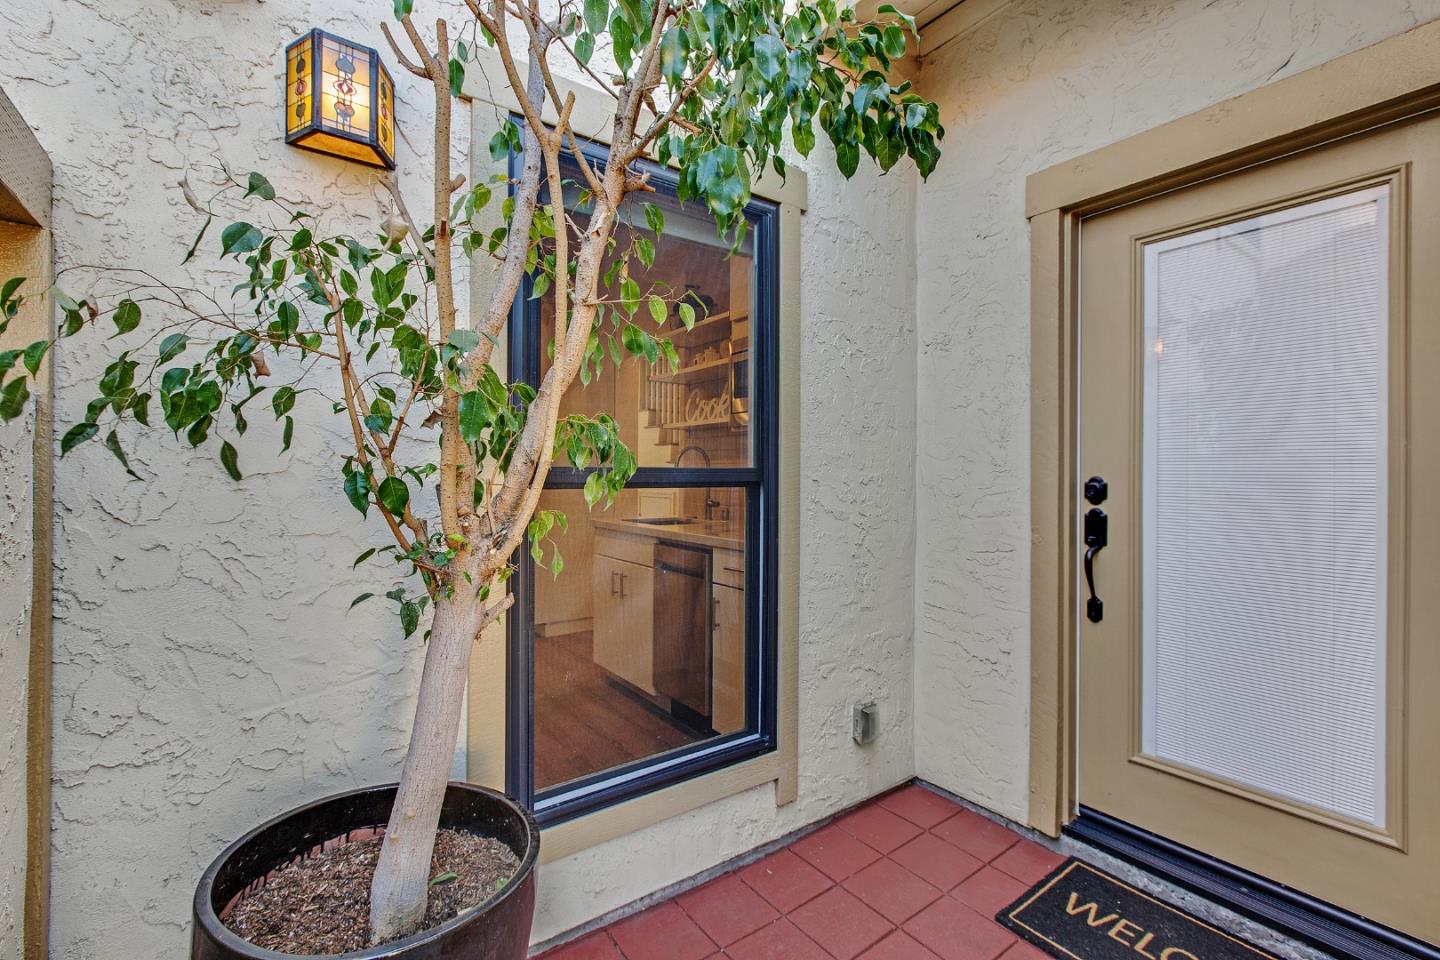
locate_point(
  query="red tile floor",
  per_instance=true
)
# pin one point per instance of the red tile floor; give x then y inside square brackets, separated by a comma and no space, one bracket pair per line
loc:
[907,876]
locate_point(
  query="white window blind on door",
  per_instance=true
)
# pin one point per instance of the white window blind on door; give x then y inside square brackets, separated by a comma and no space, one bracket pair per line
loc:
[1264,502]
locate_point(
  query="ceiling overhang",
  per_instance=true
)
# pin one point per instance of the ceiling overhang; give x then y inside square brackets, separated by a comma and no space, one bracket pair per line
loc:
[939,21]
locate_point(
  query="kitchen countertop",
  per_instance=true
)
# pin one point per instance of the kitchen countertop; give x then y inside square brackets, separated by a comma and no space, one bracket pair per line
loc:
[697,533]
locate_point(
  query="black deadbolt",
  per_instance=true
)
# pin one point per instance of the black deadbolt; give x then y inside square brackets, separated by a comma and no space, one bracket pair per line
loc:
[1096,490]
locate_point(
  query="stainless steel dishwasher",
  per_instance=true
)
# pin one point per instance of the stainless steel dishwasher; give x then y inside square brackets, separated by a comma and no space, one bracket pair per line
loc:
[682,630]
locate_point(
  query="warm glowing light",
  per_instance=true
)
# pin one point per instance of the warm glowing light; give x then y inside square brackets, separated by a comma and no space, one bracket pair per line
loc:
[339,99]
[1159,346]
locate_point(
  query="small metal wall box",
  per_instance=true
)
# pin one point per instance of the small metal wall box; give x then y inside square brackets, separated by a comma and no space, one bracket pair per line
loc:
[867,722]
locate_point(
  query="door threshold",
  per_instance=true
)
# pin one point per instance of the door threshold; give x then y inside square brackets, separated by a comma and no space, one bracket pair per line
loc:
[1320,924]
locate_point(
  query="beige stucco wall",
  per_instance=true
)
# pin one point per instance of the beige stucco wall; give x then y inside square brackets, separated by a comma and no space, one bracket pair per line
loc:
[21,254]
[207,675]
[1040,82]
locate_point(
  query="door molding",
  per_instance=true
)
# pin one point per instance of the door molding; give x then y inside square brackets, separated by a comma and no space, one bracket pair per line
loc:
[1393,80]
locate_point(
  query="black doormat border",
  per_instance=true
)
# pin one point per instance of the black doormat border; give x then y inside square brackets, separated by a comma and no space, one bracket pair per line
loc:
[1296,914]
[1184,931]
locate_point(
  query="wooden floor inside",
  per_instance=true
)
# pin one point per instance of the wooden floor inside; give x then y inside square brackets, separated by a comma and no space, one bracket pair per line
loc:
[585,721]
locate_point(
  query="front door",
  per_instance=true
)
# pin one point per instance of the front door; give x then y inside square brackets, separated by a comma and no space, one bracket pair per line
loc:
[1259,672]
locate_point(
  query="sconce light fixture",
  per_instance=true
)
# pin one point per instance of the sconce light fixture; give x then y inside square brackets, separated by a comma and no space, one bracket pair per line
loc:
[339,99]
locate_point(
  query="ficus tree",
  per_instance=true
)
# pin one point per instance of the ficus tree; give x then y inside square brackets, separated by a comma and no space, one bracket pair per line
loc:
[712,87]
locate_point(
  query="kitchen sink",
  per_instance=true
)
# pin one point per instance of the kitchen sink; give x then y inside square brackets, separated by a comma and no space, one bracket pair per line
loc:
[663,521]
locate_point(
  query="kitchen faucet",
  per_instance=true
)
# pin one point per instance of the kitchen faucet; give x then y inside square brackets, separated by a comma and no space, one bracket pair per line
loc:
[710,502]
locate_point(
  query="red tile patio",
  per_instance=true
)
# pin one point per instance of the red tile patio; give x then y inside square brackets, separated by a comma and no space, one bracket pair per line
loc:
[907,876]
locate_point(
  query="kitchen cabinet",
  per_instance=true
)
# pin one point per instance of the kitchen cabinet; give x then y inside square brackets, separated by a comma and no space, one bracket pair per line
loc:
[624,632]
[727,657]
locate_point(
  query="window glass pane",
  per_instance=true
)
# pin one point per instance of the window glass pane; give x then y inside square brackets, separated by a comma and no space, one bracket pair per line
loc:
[1264,584]
[700,414]
[640,641]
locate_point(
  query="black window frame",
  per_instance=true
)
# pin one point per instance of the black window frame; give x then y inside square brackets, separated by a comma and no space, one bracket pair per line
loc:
[759,480]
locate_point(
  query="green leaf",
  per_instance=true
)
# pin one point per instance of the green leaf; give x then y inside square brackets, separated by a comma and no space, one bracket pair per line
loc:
[629,295]
[645,250]
[655,218]
[594,489]
[357,491]
[500,144]
[464,340]
[891,9]
[283,401]
[622,41]
[172,346]
[34,354]
[112,443]
[597,12]
[228,458]
[584,47]
[769,54]
[894,41]
[12,398]
[359,600]
[409,616]
[198,237]
[126,316]
[687,315]
[457,77]
[259,186]
[403,8]
[672,56]
[475,414]
[445,877]
[395,495]
[77,435]
[658,309]
[239,237]
[288,434]
[7,292]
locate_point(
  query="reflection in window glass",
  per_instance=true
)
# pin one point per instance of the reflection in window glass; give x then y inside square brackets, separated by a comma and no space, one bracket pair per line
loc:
[698,415]
[640,642]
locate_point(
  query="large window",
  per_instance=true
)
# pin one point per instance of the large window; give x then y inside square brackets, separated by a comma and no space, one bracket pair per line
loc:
[651,657]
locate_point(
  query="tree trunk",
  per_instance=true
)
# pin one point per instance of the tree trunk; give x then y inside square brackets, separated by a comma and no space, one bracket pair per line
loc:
[401,885]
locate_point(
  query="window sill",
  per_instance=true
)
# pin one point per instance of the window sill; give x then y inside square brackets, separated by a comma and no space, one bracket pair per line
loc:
[630,816]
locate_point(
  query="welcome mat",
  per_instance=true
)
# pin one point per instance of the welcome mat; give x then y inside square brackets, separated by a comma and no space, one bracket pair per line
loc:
[1080,913]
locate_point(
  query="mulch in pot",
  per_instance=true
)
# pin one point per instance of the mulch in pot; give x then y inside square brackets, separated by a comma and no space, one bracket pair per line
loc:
[321,905]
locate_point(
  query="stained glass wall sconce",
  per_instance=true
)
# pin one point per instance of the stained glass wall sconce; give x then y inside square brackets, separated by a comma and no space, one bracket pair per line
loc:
[339,99]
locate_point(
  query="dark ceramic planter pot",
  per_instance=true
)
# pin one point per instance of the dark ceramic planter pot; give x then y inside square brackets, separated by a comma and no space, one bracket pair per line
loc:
[499,930]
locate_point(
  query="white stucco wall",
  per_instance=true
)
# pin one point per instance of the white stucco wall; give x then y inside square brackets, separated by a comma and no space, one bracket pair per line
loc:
[207,675]
[1038,83]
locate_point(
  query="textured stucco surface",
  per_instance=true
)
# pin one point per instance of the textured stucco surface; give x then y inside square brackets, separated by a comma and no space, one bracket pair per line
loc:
[206,673]
[1041,82]
[20,252]
[207,676]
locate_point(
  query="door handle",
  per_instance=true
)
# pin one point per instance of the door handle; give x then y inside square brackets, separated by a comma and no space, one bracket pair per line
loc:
[1097,535]
[613,574]
[622,586]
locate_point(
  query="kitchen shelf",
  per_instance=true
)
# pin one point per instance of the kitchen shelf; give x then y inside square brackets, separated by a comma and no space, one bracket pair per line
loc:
[687,424]
[709,370]
[710,325]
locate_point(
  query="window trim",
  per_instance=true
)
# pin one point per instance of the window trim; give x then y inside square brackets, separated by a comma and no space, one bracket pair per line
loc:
[490,103]
[760,481]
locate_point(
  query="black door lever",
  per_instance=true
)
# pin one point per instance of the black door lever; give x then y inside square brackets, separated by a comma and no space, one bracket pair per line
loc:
[1097,534]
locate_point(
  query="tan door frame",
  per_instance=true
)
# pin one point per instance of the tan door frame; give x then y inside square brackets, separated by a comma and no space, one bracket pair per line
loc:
[1389,81]
[25,239]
